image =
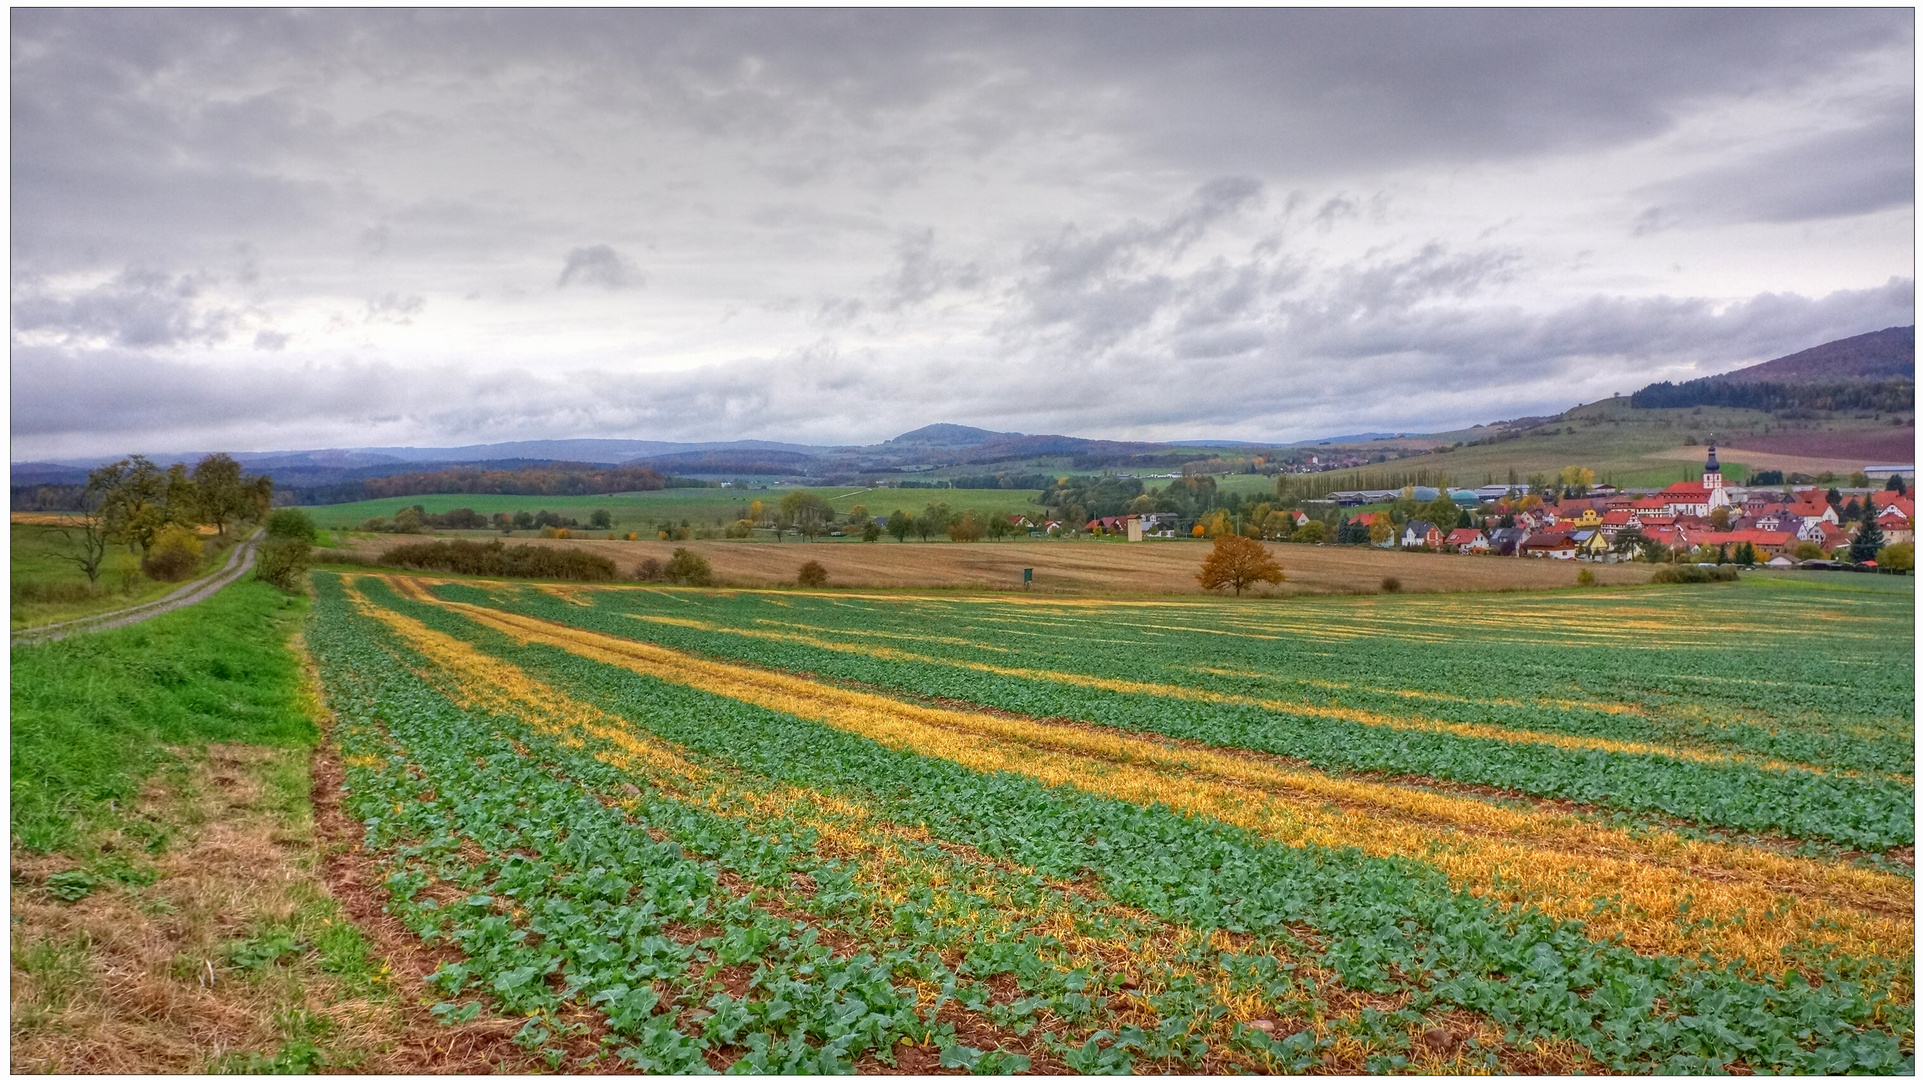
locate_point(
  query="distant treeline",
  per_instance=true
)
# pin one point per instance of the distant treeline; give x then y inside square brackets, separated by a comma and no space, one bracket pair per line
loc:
[1890,395]
[1320,485]
[495,559]
[987,481]
[578,480]
[48,497]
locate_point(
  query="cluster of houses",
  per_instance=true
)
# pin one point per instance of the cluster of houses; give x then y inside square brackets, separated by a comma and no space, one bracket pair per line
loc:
[1680,517]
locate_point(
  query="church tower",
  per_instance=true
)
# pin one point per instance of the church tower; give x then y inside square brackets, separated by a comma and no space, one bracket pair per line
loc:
[1713,480]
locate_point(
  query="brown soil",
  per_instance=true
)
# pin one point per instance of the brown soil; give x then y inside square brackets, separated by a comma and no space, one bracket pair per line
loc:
[1892,445]
[1088,567]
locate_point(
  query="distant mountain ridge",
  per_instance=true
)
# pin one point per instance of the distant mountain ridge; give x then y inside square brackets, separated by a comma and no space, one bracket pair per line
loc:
[1868,371]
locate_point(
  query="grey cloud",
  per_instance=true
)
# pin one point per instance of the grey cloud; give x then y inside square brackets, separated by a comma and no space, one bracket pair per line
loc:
[1451,368]
[1867,167]
[599,265]
[919,275]
[394,308]
[271,340]
[138,308]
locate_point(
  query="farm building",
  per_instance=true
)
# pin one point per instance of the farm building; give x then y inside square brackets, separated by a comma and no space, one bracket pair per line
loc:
[1558,545]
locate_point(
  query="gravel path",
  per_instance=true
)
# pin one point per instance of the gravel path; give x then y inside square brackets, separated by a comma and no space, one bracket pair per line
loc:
[239,561]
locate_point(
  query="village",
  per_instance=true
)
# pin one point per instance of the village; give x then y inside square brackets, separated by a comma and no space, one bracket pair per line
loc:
[1701,520]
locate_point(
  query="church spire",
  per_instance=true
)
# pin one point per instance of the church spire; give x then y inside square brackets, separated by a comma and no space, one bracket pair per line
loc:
[1712,466]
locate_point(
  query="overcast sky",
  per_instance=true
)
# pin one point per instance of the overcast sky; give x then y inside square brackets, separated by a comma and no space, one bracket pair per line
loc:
[275,230]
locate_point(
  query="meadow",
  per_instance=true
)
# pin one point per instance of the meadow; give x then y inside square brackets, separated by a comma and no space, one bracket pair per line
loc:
[47,588]
[641,510]
[1633,830]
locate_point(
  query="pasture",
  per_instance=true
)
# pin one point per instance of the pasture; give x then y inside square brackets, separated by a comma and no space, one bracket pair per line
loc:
[47,588]
[641,510]
[754,830]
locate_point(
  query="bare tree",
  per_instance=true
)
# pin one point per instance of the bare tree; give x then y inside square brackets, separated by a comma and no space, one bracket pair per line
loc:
[86,536]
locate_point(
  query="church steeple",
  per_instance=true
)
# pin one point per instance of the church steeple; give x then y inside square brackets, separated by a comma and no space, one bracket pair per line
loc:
[1712,472]
[1711,466]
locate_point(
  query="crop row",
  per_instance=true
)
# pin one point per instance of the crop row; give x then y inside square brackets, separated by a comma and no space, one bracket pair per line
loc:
[1713,789]
[547,911]
[1383,925]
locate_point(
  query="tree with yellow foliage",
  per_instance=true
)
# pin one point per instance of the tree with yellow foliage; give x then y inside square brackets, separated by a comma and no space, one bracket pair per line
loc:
[1237,563]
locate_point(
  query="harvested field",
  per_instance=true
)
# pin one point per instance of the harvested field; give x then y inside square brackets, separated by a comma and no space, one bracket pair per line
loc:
[1087,567]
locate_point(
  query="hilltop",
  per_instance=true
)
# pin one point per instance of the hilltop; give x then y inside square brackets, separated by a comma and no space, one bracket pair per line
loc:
[1883,354]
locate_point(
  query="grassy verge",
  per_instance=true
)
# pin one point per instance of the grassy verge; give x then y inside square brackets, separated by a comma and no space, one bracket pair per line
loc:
[168,913]
[46,588]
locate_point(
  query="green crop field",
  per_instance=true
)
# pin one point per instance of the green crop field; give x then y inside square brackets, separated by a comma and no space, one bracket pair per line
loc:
[1648,830]
[642,509]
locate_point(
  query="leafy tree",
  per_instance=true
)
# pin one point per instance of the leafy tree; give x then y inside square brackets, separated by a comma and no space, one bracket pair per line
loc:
[934,519]
[1719,519]
[600,519]
[283,557]
[1577,479]
[291,524]
[1000,528]
[1442,511]
[1309,533]
[1867,542]
[132,493]
[807,511]
[223,495]
[967,528]
[685,567]
[871,531]
[412,519]
[1808,549]
[1896,484]
[1236,562]
[812,575]
[524,519]
[1833,497]
[1898,557]
[900,525]
[858,516]
[1746,554]
[1381,531]
[173,555]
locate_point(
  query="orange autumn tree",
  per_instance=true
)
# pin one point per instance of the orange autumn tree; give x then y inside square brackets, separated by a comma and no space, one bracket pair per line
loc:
[1237,563]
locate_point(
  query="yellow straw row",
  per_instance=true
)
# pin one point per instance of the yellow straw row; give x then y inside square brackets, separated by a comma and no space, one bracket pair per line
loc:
[1659,893]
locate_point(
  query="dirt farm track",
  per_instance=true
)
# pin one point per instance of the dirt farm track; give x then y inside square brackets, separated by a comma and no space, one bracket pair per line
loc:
[1087,567]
